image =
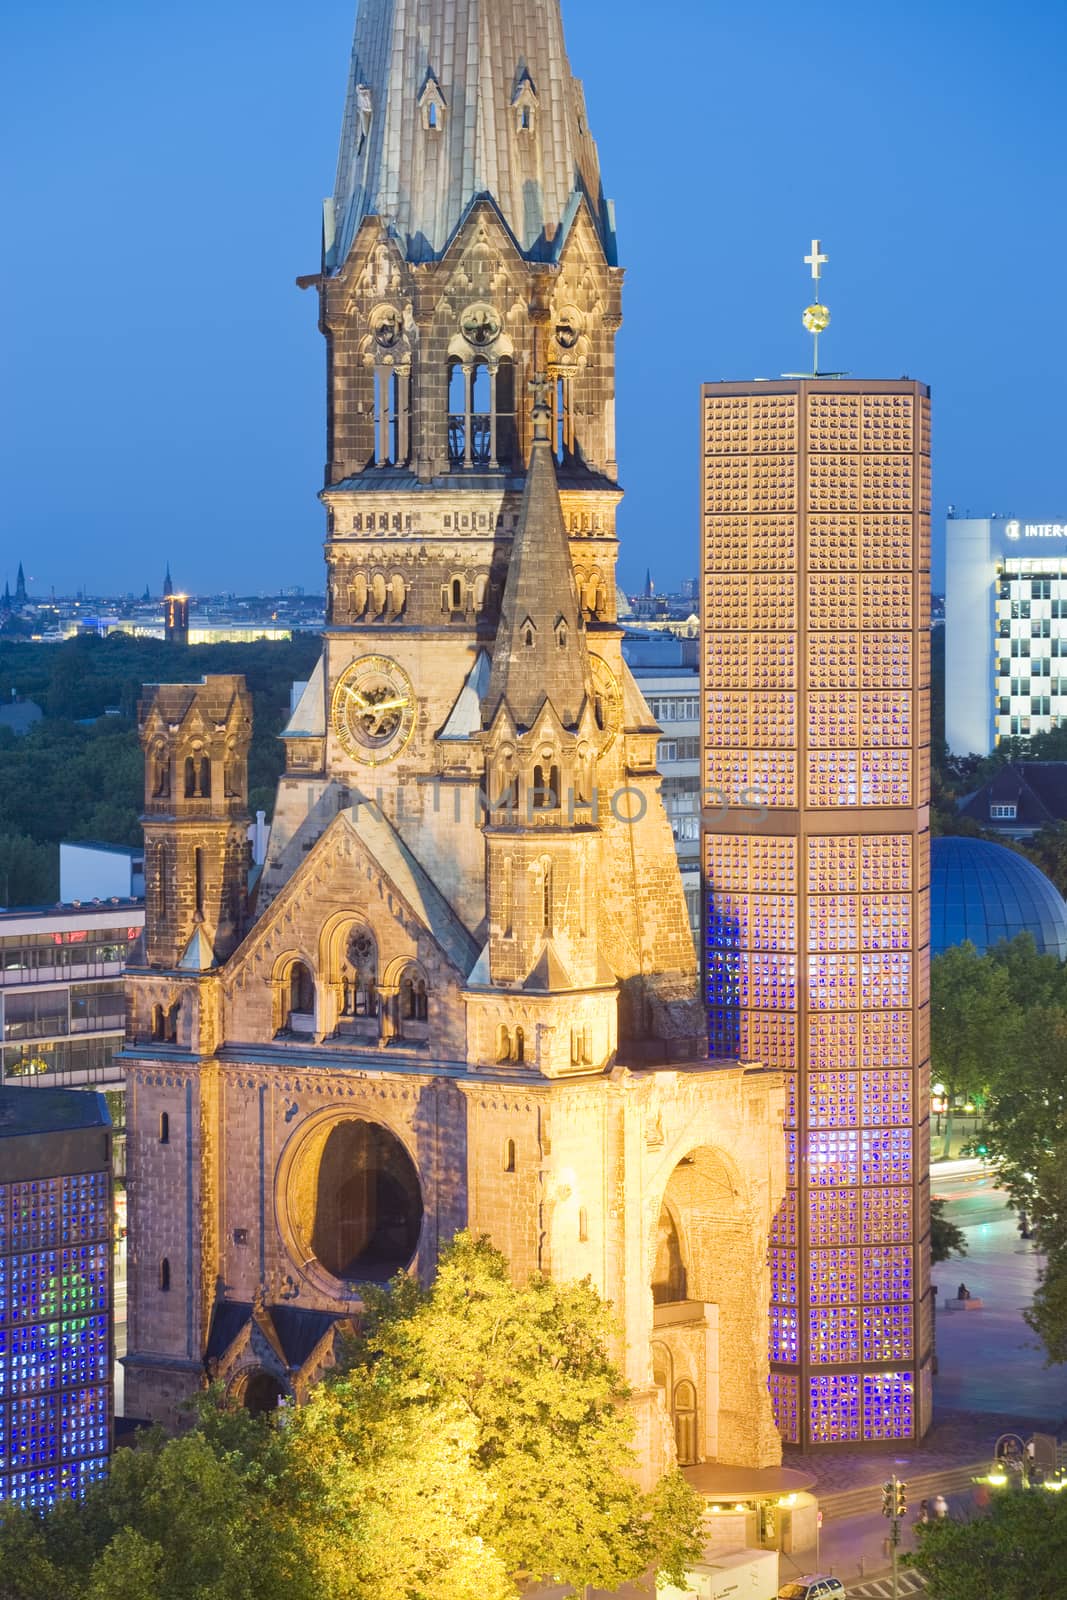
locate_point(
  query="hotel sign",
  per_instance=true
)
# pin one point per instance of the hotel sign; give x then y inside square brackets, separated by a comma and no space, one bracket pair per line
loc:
[1035,530]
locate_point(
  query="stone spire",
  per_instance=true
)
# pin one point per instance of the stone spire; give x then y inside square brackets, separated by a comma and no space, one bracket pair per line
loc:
[540,651]
[168,586]
[452,99]
[20,586]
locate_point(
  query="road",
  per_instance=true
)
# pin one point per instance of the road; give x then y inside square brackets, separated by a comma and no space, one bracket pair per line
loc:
[970,1188]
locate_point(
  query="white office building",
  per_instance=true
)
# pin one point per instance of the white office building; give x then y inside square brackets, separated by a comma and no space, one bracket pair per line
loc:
[666,673]
[1005,630]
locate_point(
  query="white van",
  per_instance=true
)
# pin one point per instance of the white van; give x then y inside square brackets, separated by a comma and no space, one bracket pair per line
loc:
[727,1575]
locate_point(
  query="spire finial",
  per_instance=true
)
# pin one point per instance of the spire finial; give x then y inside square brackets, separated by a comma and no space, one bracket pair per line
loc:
[816,317]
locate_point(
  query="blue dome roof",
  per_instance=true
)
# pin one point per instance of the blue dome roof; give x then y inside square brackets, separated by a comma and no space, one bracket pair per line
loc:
[983,892]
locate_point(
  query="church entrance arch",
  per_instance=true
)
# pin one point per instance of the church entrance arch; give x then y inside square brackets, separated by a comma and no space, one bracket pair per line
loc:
[261,1393]
[700,1298]
[351,1202]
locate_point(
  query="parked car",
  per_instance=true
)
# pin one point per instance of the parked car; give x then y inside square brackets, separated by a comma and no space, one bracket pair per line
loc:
[812,1587]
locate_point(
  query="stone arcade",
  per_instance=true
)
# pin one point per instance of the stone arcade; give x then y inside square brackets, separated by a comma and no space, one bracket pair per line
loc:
[463,990]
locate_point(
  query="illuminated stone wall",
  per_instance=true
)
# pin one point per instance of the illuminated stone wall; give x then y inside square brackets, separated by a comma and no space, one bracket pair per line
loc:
[816,716]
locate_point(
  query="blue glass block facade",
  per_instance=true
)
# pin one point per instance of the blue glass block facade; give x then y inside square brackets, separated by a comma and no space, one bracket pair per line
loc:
[55,1329]
[815,661]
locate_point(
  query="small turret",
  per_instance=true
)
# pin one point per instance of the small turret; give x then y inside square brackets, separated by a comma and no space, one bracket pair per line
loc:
[195,738]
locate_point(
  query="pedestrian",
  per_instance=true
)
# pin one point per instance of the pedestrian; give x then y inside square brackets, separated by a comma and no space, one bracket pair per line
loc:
[940,1507]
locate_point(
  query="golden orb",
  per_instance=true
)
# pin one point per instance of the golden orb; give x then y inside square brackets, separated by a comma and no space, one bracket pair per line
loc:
[816,318]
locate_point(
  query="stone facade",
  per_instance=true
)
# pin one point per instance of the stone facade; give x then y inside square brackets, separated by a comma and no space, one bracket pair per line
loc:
[463,992]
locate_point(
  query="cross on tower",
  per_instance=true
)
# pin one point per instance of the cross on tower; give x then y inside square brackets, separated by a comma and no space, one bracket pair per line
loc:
[816,261]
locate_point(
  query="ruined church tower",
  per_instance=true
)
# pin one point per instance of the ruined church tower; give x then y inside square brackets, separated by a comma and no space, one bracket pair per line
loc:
[462,991]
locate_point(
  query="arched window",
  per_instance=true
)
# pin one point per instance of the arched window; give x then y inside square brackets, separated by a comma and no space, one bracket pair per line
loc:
[456,594]
[431,115]
[161,785]
[164,1274]
[509,1155]
[301,1007]
[546,897]
[359,978]
[518,1049]
[158,1024]
[205,778]
[481,413]
[503,1044]
[685,1422]
[583,1225]
[164,1128]
[413,996]
[190,778]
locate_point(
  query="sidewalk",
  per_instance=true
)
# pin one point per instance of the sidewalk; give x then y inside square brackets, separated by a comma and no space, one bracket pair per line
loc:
[989,1361]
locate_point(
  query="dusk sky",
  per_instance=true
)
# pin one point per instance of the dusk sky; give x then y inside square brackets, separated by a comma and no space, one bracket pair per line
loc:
[164,166]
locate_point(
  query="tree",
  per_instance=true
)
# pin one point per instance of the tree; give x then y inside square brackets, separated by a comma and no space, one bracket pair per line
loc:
[945,1238]
[972,1018]
[1016,1552]
[206,1516]
[529,1368]
[475,1432]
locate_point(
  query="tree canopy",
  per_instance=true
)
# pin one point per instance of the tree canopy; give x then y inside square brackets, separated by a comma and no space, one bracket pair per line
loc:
[79,772]
[1016,1552]
[476,1432]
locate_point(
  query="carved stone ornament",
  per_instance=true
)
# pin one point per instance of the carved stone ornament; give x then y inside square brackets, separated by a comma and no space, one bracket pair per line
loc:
[387,326]
[480,325]
[569,328]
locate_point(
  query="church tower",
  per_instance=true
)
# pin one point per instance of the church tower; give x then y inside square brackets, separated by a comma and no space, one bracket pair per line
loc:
[465,992]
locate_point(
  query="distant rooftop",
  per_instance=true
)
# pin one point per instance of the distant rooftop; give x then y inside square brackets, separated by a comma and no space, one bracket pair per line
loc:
[34,1110]
[73,912]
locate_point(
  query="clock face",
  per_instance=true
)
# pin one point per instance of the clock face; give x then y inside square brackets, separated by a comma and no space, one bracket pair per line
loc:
[608,701]
[373,710]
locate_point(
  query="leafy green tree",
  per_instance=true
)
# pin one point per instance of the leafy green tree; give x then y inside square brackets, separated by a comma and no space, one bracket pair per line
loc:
[1017,1552]
[29,872]
[972,1021]
[945,1238]
[201,1517]
[529,1366]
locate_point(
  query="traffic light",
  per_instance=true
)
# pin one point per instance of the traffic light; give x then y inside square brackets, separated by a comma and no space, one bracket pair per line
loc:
[888,1498]
[900,1507]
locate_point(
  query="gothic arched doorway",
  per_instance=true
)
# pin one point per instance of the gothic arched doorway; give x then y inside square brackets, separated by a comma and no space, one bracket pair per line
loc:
[262,1393]
[700,1301]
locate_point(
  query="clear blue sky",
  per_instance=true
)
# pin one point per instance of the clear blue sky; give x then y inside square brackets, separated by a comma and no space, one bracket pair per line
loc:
[164,167]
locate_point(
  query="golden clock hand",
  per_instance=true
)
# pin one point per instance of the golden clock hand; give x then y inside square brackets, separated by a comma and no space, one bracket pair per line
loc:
[387,705]
[355,695]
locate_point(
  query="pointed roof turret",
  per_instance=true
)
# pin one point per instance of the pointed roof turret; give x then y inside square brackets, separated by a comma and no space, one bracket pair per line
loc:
[20,586]
[168,587]
[452,99]
[540,651]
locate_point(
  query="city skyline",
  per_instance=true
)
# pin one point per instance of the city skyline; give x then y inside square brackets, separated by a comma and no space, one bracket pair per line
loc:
[175,383]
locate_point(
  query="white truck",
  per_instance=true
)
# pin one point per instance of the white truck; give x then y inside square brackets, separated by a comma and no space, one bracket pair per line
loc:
[727,1575]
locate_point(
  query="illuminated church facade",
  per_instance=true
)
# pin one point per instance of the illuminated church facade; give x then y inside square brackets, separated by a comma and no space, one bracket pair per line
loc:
[462,991]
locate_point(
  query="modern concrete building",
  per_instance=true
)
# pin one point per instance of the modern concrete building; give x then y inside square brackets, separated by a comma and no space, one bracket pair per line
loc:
[816,560]
[1005,630]
[62,1006]
[55,1293]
